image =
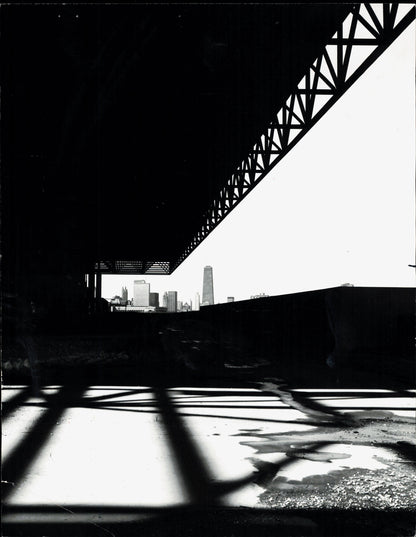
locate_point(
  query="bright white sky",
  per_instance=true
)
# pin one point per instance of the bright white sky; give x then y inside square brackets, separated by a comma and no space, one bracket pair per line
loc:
[340,207]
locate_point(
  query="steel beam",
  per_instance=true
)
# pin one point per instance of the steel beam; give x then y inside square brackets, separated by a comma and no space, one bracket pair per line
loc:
[133,267]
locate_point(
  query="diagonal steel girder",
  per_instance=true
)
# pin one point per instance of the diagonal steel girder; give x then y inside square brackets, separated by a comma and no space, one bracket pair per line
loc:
[366,32]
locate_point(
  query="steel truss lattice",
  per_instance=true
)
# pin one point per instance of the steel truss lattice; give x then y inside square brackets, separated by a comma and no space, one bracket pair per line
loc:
[133,267]
[367,31]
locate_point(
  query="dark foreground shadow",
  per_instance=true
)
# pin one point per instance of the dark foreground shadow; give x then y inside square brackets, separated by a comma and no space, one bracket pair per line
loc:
[77,521]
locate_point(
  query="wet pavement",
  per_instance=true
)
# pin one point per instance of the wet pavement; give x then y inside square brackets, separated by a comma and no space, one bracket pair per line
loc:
[102,454]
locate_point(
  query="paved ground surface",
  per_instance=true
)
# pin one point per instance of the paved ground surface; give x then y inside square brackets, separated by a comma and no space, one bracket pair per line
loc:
[102,459]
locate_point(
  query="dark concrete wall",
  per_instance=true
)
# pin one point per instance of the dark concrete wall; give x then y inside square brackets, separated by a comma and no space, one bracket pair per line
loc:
[356,336]
[350,336]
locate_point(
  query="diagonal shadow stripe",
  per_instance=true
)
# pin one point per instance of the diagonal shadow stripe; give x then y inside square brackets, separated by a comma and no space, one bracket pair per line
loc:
[117,394]
[192,466]
[15,402]
[203,489]
[306,405]
[24,453]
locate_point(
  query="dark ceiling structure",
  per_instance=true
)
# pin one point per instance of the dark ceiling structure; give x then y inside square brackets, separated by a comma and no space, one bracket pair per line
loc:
[128,130]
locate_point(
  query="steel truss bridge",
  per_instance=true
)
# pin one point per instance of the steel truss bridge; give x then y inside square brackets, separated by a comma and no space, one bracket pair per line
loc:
[133,131]
[345,57]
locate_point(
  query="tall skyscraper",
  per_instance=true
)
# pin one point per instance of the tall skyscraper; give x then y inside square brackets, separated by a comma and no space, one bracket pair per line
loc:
[172,301]
[197,302]
[141,293]
[208,287]
[124,295]
[165,300]
[154,300]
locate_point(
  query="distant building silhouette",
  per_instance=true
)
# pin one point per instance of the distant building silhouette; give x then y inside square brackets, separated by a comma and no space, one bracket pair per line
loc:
[261,295]
[197,302]
[124,294]
[172,301]
[154,300]
[165,300]
[141,293]
[230,299]
[179,305]
[186,307]
[208,287]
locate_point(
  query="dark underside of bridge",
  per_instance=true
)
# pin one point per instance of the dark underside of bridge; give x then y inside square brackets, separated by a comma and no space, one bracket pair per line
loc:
[122,123]
[120,126]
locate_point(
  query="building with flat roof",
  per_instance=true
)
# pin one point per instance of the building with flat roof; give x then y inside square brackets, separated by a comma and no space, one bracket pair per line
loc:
[165,300]
[141,293]
[172,301]
[154,300]
[197,302]
[208,287]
